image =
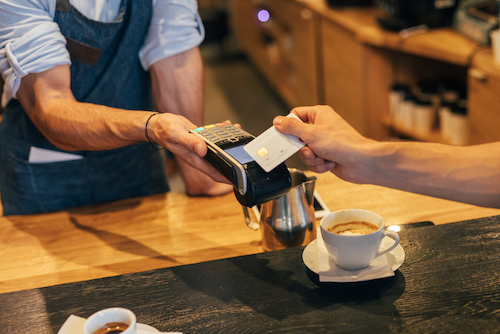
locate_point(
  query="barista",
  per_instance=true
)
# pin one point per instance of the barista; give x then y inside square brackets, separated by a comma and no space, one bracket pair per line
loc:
[469,174]
[78,104]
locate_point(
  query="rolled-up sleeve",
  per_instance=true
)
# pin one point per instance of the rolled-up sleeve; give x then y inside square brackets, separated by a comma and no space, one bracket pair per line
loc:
[30,42]
[175,27]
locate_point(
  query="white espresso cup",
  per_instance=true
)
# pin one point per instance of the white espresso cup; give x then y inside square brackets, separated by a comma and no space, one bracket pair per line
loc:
[98,322]
[355,251]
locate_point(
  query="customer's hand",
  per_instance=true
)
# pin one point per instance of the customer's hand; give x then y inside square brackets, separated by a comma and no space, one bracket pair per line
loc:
[332,144]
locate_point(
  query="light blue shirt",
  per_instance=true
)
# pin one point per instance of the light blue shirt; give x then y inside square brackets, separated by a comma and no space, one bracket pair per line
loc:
[31,42]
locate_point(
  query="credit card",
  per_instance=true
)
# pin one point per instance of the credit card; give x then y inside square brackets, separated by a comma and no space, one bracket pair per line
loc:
[272,147]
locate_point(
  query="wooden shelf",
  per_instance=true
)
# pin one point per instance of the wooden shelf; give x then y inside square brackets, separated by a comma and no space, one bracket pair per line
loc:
[484,98]
[484,61]
[443,44]
[433,136]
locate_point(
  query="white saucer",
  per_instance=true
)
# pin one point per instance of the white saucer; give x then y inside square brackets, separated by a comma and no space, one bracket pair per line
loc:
[147,328]
[395,258]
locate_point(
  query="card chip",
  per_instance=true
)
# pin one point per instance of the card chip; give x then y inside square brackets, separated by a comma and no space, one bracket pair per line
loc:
[262,152]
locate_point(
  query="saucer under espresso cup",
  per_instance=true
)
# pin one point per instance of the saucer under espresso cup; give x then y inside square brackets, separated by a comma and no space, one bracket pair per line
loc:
[119,320]
[358,236]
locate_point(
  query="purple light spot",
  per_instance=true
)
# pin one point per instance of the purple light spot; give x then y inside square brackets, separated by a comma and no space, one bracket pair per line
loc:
[263,15]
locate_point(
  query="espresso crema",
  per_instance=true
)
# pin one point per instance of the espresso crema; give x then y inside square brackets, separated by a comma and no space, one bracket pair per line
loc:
[353,228]
[112,328]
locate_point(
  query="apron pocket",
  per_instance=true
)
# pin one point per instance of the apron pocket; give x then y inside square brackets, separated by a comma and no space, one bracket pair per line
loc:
[42,187]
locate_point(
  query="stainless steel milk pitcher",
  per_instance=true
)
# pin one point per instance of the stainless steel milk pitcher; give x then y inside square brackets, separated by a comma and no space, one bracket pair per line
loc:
[288,221]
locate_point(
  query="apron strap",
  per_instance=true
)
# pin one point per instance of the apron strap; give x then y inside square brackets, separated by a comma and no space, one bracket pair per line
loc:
[62,5]
[82,52]
[78,51]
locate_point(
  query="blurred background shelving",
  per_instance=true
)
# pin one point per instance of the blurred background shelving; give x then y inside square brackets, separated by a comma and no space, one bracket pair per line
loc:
[310,52]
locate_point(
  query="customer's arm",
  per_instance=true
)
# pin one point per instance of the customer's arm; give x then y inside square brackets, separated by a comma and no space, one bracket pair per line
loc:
[73,125]
[469,174]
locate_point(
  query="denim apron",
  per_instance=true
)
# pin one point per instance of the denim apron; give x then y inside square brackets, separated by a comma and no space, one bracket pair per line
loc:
[105,70]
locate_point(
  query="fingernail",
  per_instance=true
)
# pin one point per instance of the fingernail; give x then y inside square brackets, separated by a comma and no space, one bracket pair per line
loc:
[197,148]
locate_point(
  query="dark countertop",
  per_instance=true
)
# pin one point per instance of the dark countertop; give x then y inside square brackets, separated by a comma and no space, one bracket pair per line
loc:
[449,282]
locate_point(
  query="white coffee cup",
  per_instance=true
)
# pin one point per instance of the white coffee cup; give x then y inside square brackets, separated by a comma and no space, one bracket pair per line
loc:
[354,252]
[111,315]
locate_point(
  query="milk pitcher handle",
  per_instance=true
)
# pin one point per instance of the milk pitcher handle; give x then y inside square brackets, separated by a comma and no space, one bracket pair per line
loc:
[253,225]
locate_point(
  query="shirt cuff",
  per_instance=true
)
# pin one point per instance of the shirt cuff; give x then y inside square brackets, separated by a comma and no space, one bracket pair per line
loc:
[34,52]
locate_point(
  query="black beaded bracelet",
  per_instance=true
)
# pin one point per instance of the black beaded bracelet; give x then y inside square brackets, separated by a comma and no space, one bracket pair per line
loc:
[146,131]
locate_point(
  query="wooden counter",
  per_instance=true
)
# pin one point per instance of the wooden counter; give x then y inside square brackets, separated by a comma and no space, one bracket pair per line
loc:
[173,229]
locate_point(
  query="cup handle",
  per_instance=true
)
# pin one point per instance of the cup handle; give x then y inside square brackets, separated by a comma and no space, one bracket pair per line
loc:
[396,242]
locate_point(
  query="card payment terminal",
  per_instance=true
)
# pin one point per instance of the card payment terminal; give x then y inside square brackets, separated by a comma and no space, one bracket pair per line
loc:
[252,185]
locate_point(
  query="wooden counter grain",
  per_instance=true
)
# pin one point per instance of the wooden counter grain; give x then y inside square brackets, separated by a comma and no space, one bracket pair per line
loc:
[173,229]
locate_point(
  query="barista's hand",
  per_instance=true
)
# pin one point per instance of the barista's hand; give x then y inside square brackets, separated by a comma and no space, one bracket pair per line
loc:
[332,144]
[172,132]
